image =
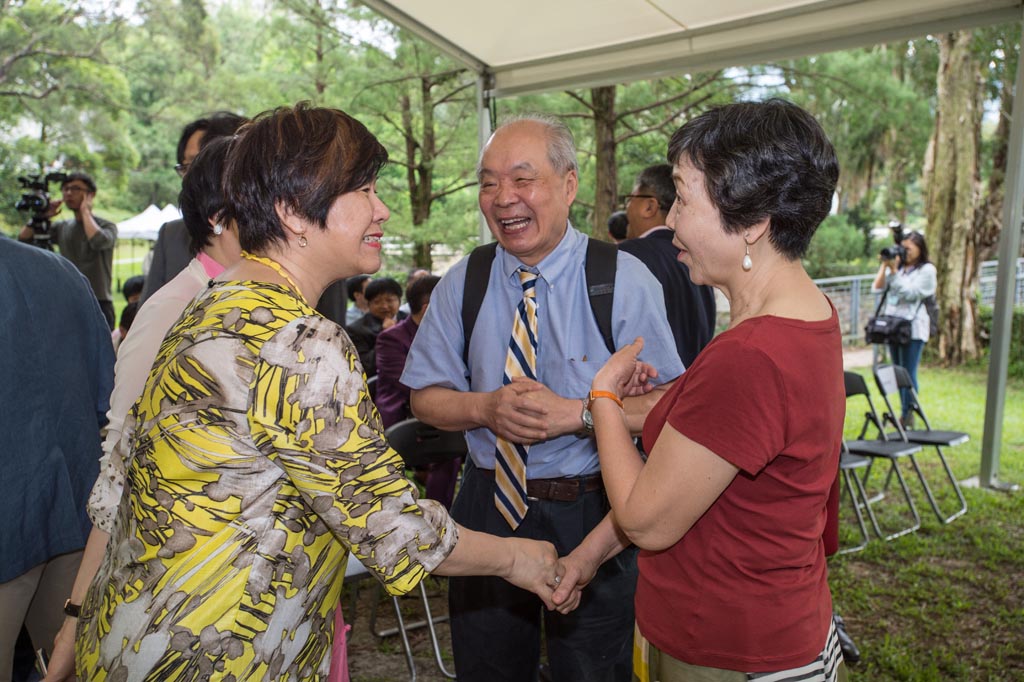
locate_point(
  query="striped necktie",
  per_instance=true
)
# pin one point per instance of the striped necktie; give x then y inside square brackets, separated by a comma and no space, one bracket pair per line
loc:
[521,361]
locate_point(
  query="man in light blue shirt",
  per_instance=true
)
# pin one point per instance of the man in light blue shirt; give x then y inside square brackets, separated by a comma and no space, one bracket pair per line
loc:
[528,181]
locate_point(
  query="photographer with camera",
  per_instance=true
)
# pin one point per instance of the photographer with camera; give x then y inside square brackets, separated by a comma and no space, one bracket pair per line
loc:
[907,278]
[87,241]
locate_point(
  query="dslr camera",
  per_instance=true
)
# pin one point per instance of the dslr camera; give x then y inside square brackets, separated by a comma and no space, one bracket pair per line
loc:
[35,198]
[896,251]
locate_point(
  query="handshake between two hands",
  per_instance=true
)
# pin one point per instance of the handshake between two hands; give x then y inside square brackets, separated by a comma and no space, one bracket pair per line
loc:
[559,582]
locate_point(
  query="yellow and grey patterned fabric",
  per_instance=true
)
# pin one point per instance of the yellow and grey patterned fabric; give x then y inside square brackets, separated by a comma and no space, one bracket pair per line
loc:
[520,361]
[257,463]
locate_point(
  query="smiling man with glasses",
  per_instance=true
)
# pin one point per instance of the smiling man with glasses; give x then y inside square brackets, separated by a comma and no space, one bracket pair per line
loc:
[87,240]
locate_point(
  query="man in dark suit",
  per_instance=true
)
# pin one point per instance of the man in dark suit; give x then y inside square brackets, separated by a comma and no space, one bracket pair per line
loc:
[691,308]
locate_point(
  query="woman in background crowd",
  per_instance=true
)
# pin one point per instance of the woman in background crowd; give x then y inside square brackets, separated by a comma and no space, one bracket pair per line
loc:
[907,282]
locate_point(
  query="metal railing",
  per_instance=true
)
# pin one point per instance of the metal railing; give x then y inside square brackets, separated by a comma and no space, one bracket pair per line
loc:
[855,302]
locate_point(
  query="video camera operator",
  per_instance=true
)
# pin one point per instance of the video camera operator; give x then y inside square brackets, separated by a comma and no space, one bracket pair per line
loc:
[907,277]
[87,240]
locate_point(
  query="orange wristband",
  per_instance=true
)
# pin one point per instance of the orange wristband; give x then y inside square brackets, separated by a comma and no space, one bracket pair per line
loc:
[594,395]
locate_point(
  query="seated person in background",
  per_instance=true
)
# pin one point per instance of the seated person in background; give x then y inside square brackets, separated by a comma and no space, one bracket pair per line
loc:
[393,397]
[414,274]
[383,297]
[356,289]
[127,318]
[392,346]
[132,288]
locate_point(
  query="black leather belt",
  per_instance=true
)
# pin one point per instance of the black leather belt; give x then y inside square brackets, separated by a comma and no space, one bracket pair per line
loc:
[558,489]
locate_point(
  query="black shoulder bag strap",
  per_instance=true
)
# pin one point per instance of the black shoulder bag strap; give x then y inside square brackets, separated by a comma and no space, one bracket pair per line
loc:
[602,259]
[478,272]
[600,274]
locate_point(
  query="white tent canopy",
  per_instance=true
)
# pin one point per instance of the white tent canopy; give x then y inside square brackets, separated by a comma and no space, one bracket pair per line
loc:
[536,45]
[147,224]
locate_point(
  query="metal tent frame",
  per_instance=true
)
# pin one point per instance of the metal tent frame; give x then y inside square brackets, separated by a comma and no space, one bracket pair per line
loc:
[537,45]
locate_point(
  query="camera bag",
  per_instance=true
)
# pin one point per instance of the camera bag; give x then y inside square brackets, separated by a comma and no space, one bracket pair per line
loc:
[889,329]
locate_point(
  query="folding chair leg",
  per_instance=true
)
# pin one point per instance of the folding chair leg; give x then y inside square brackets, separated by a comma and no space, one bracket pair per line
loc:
[430,620]
[402,629]
[856,510]
[931,498]
[405,640]
[894,469]
[910,502]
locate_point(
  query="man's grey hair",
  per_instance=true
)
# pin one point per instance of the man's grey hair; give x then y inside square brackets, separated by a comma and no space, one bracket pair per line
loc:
[561,145]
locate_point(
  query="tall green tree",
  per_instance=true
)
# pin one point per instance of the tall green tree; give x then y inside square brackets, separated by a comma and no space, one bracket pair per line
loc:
[620,129]
[61,100]
[422,106]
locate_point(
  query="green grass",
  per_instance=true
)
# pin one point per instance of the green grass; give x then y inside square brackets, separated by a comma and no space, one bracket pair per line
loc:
[947,602]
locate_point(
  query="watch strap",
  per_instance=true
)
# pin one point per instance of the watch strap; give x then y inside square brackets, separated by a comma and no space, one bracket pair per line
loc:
[594,395]
[72,609]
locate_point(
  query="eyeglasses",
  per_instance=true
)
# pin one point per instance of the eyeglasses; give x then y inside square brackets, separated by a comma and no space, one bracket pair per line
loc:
[624,199]
[71,189]
[181,169]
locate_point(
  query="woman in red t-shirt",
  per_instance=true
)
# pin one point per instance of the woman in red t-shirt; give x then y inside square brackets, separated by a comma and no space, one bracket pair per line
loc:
[729,507]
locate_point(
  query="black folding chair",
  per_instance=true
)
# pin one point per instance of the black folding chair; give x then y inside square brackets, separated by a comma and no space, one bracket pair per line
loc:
[848,464]
[890,379]
[419,445]
[371,387]
[883,448]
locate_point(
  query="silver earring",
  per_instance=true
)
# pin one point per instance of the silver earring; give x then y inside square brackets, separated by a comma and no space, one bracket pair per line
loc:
[747,263]
[302,240]
[218,229]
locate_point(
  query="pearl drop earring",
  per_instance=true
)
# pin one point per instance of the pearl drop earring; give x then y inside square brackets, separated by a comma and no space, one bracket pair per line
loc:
[747,263]
[218,229]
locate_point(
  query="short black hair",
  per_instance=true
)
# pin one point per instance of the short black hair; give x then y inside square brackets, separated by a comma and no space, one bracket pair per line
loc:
[133,286]
[381,286]
[82,177]
[128,315]
[217,124]
[618,225]
[763,160]
[354,284]
[201,195]
[300,158]
[657,180]
[418,293]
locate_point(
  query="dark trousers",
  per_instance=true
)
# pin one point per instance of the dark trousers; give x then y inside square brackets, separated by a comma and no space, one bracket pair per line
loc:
[496,627]
[107,307]
[907,356]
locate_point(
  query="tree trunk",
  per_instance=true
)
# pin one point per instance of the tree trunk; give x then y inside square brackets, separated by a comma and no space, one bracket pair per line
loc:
[952,196]
[606,181]
[989,220]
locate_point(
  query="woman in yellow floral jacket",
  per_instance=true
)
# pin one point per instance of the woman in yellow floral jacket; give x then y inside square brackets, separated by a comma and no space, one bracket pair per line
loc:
[258,460]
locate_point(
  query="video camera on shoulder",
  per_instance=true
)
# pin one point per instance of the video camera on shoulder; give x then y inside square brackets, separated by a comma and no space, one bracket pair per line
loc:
[897,250]
[35,198]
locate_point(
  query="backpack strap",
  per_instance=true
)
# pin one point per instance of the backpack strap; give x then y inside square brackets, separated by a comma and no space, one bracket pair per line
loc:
[600,274]
[478,272]
[602,259]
